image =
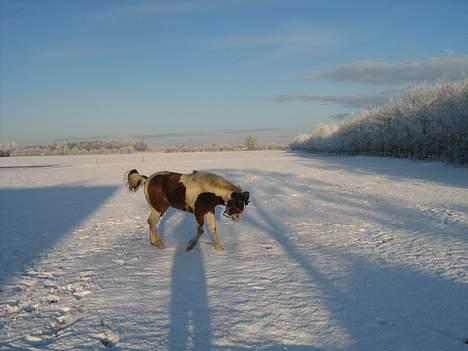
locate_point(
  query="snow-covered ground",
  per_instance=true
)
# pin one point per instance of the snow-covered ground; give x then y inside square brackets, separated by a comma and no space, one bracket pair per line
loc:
[333,253]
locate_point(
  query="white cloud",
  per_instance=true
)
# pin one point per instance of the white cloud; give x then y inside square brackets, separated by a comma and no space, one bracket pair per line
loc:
[345,100]
[450,52]
[387,73]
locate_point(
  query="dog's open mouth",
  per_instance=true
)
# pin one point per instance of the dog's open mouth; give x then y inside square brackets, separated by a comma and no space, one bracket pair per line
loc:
[236,217]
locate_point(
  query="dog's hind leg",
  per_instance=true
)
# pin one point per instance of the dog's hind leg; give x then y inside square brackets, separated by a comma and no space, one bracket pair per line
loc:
[200,231]
[210,219]
[194,240]
[153,233]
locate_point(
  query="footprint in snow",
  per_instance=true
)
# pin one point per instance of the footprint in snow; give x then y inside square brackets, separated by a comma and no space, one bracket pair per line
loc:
[51,298]
[63,322]
[108,338]
[86,275]
[13,311]
[30,307]
[120,262]
[82,293]
[72,287]
[65,319]
[33,339]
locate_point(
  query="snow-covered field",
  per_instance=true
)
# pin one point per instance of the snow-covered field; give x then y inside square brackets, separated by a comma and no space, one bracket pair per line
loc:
[333,253]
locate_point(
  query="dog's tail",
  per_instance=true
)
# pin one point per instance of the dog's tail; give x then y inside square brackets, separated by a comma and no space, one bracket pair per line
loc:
[134,180]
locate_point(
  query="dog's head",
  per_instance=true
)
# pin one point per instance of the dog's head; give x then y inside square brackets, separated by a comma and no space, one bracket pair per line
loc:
[236,205]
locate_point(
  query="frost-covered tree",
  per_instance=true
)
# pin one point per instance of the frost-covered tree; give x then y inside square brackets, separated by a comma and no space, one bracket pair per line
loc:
[428,121]
[251,142]
[7,149]
[76,148]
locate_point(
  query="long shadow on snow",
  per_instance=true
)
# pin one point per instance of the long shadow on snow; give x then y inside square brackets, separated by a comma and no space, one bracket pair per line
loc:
[190,322]
[375,299]
[393,216]
[371,304]
[33,219]
[397,218]
[398,169]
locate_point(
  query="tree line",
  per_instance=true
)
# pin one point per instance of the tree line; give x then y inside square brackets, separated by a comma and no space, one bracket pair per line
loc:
[75,148]
[93,147]
[428,121]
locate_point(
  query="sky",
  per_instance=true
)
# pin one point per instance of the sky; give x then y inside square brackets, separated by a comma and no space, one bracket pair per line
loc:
[214,71]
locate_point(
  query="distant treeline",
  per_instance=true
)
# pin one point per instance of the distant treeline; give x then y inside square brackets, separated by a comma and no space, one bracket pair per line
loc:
[428,121]
[217,147]
[75,148]
[94,147]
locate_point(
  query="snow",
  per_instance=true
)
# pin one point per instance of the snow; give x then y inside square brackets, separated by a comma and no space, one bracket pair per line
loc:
[333,253]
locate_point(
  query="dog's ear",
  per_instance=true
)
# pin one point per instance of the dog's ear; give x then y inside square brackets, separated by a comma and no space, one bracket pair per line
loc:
[246,196]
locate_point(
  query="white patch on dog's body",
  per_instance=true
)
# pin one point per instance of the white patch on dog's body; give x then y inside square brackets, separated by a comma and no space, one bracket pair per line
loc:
[201,182]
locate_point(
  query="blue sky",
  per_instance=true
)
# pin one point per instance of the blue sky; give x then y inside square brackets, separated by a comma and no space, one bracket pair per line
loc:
[82,69]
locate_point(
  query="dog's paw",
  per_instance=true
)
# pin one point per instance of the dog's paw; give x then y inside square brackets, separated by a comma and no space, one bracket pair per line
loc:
[191,245]
[218,247]
[158,243]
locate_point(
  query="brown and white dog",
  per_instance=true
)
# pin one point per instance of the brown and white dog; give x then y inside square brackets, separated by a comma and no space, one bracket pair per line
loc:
[198,193]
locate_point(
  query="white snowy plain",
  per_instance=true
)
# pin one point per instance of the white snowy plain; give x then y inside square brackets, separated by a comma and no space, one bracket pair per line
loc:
[333,253]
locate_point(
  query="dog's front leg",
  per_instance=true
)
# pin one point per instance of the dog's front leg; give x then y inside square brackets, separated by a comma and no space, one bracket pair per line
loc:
[210,219]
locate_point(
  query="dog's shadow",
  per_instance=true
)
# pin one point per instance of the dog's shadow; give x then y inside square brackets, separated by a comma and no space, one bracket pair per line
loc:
[190,322]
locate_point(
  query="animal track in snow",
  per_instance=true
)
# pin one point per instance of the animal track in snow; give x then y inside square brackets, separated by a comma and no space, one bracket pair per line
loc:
[108,338]
[51,298]
[82,293]
[33,339]
[120,262]
[446,215]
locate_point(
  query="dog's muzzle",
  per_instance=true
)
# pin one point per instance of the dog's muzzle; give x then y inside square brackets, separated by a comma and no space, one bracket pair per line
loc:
[235,216]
